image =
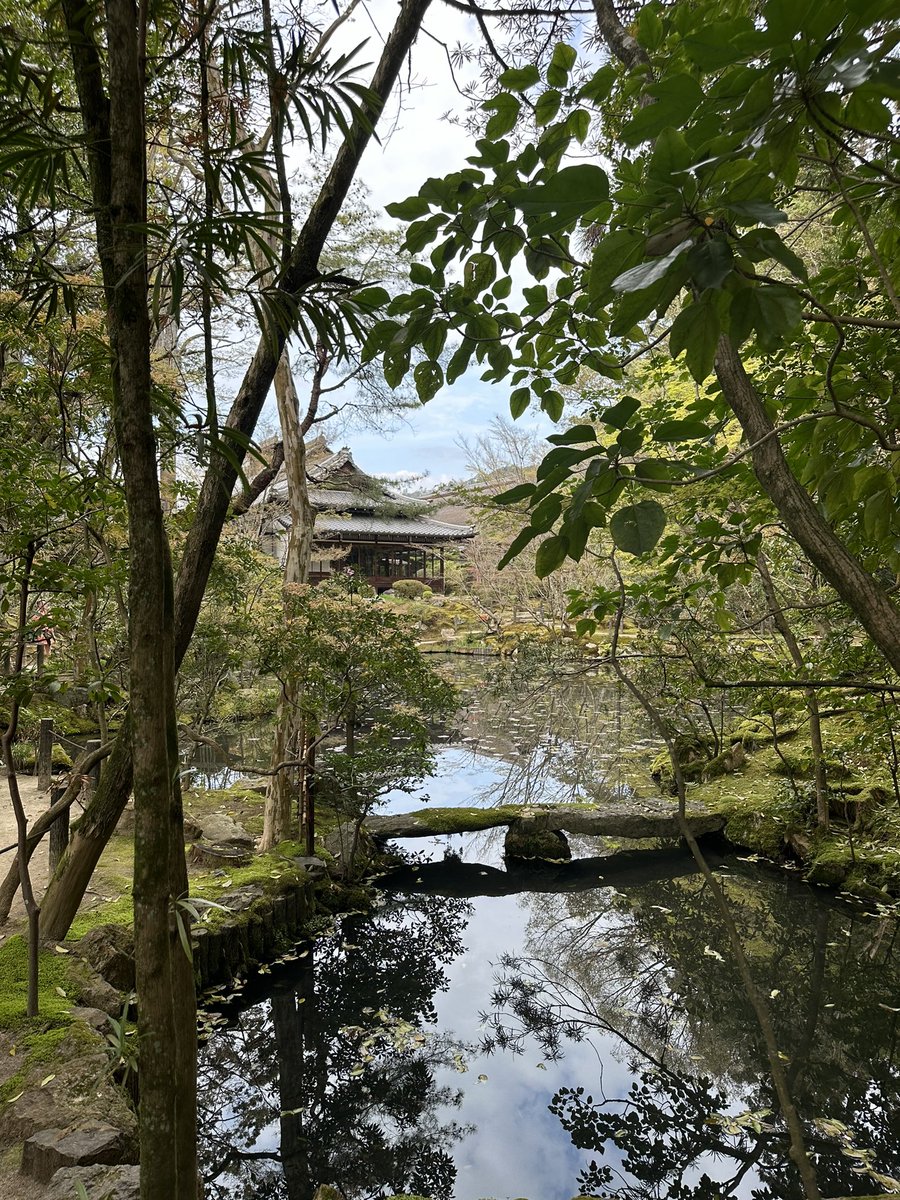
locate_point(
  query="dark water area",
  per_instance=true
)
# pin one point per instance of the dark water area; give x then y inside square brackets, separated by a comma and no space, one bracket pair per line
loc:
[579,1029]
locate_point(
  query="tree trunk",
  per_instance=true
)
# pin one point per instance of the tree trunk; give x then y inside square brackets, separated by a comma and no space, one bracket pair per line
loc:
[862,594]
[812,702]
[278,824]
[95,828]
[165,990]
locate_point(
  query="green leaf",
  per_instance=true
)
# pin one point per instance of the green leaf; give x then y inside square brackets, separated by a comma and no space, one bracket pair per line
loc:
[772,310]
[522,491]
[696,331]
[671,154]
[408,210]
[710,263]
[546,512]
[482,328]
[878,516]
[561,64]
[757,212]
[506,109]
[676,96]
[650,28]
[637,528]
[562,456]
[547,106]
[599,86]
[615,253]
[519,542]
[434,338]
[766,243]
[570,194]
[460,359]
[618,415]
[371,298]
[578,433]
[480,272]
[681,431]
[429,378]
[553,404]
[648,273]
[551,553]
[395,366]
[520,79]
[578,123]
[519,401]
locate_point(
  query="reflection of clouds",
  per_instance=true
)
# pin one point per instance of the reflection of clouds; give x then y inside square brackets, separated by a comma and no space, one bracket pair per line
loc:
[517,1147]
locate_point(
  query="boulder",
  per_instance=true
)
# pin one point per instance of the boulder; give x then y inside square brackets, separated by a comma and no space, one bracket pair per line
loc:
[110,951]
[95,993]
[99,1182]
[218,829]
[314,867]
[34,1110]
[202,854]
[526,842]
[97,1018]
[81,1144]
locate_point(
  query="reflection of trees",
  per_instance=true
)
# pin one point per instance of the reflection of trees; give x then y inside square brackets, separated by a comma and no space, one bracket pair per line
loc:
[645,969]
[563,734]
[332,1080]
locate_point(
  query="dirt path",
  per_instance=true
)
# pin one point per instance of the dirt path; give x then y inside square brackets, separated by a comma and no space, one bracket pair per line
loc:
[34,802]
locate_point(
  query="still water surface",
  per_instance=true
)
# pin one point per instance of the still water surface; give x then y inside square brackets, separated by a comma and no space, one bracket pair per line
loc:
[579,1029]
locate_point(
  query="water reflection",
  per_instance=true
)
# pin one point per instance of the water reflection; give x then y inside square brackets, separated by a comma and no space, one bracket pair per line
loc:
[609,1046]
[332,1078]
[697,1118]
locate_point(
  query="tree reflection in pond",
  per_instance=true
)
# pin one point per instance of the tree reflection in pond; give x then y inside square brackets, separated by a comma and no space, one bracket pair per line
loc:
[333,1078]
[652,968]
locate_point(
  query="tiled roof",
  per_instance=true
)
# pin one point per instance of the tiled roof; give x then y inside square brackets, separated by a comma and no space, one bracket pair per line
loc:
[411,528]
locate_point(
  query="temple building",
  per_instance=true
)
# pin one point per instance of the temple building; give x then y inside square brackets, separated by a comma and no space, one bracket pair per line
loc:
[361,524]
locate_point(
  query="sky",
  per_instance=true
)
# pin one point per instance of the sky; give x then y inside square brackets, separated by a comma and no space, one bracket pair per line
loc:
[421,144]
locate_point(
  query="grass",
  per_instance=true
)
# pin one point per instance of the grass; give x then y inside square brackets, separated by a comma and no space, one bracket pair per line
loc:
[56,987]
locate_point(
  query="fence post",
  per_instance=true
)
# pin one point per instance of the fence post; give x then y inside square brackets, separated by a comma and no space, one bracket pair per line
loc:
[40,650]
[59,830]
[93,775]
[44,764]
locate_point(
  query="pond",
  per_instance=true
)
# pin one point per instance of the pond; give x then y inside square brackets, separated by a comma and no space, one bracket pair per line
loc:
[579,1029]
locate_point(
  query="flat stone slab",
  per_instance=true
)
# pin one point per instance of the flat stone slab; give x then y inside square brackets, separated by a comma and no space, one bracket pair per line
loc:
[100,1183]
[636,819]
[83,1144]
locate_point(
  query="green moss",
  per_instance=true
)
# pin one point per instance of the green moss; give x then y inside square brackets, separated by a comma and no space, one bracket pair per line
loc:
[469,820]
[270,872]
[114,912]
[56,989]
[290,849]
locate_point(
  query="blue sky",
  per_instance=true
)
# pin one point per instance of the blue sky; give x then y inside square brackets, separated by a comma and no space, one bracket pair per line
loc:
[420,144]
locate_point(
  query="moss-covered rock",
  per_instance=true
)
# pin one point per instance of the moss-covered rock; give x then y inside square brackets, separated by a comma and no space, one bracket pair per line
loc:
[525,843]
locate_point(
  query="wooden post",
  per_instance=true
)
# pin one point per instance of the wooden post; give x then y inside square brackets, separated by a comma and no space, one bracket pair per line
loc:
[93,776]
[43,768]
[59,830]
[40,649]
